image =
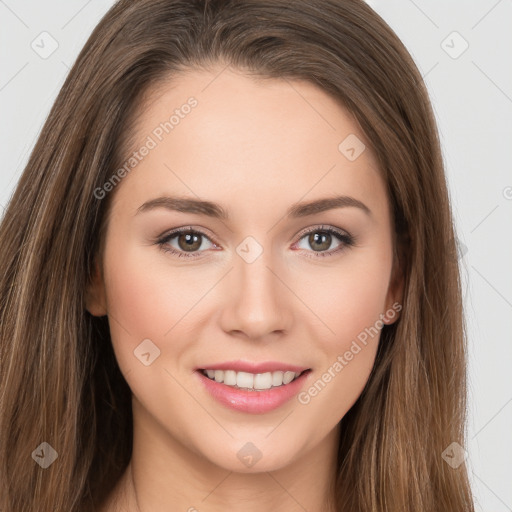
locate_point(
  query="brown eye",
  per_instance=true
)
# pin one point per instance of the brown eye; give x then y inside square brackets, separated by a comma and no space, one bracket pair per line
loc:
[185,242]
[189,241]
[320,239]
[320,242]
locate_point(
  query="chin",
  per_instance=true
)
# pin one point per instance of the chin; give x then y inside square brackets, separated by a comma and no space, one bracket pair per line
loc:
[252,457]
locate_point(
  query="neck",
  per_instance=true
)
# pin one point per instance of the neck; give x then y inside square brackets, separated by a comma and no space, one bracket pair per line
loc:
[164,472]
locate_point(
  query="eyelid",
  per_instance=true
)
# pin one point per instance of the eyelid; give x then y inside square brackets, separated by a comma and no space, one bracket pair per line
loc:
[322,227]
[344,237]
[186,229]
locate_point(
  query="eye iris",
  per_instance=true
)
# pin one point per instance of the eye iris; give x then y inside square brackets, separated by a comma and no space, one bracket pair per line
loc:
[190,241]
[323,239]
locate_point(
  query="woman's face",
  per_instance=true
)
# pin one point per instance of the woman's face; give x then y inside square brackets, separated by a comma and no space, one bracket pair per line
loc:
[265,283]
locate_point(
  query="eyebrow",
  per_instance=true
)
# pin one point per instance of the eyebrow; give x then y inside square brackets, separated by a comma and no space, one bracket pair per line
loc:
[215,210]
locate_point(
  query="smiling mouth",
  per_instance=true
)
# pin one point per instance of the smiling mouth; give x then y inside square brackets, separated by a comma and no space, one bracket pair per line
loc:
[251,381]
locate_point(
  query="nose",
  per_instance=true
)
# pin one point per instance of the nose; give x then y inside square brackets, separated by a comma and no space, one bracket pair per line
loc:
[257,301]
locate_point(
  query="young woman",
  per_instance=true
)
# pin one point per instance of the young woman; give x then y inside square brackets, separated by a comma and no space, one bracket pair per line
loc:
[228,274]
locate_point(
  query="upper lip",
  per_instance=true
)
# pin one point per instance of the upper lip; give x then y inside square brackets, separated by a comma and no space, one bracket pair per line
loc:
[247,366]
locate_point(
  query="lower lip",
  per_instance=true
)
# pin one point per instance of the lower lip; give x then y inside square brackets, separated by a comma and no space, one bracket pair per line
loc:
[254,402]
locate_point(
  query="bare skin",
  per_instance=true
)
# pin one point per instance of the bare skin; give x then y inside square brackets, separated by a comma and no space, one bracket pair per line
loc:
[256,147]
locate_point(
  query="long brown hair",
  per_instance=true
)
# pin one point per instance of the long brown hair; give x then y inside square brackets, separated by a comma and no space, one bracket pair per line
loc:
[59,379]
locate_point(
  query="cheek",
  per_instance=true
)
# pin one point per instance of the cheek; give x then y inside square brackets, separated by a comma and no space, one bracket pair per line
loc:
[144,301]
[139,297]
[349,298]
[349,301]
[150,298]
[350,305]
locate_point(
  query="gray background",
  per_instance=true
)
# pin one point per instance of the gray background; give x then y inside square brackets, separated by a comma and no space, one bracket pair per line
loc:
[472,95]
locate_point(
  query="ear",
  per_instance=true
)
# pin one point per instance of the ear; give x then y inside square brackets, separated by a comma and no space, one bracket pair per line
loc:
[95,298]
[394,297]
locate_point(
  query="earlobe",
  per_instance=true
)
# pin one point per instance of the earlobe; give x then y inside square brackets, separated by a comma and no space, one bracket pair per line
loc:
[95,301]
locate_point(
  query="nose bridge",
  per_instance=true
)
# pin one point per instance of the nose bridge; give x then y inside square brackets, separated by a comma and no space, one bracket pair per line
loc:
[256,304]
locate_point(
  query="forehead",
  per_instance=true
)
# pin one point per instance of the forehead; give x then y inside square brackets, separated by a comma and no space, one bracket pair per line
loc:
[230,135]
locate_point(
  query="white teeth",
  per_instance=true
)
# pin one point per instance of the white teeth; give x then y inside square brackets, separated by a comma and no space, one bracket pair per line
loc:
[288,377]
[258,381]
[244,380]
[263,380]
[277,378]
[230,378]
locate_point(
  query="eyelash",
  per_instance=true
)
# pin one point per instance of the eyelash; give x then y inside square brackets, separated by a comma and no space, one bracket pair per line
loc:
[345,238]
